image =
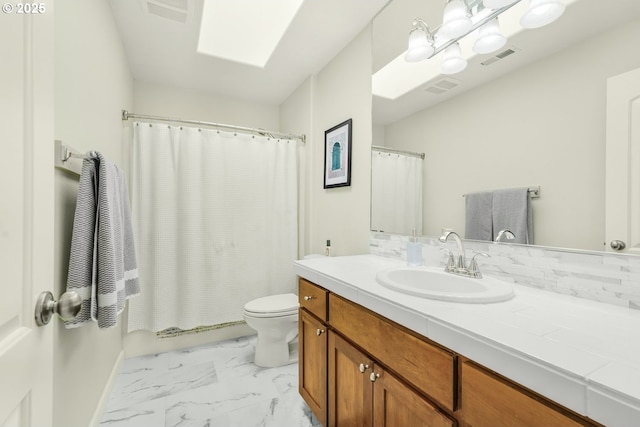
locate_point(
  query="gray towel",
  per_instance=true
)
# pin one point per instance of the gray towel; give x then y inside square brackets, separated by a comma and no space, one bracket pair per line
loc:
[512,211]
[102,264]
[478,221]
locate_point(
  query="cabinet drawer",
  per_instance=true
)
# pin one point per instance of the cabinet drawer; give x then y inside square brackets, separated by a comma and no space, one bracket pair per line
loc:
[488,400]
[427,367]
[313,298]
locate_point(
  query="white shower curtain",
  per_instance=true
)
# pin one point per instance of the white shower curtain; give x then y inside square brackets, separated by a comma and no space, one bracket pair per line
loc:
[215,220]
[396,192]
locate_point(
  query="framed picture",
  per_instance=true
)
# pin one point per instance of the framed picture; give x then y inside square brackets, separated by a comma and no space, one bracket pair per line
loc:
[337,155]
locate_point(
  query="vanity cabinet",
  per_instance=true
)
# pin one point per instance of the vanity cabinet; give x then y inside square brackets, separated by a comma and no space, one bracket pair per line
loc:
[312,347]
[350,388]
[426,366]
[490,400]
[358,368]
[363,393]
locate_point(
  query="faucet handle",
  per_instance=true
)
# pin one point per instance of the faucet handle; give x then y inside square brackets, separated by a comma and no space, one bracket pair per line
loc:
[451,264]
[473,265]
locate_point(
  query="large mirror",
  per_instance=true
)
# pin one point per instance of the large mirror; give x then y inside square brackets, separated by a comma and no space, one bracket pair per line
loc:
[533,114]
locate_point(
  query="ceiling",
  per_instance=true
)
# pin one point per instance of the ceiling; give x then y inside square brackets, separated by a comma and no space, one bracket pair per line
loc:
[161,43]
[160,38]
[582,19]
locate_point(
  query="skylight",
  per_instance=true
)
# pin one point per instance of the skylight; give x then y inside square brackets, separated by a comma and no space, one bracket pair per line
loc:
[245,31]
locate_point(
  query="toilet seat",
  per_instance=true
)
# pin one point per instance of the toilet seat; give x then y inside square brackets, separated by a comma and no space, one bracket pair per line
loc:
[273,306]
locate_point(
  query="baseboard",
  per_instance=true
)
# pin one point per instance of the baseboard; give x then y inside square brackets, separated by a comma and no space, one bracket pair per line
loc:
[104,398]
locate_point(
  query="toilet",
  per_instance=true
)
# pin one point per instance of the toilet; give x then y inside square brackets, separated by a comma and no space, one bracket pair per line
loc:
[275,318]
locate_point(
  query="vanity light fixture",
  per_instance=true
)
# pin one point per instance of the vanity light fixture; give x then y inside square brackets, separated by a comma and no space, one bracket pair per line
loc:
[453,61]
[456,20]
[462,17]
[490,38]
[497,4]
[420,42]
[541,13]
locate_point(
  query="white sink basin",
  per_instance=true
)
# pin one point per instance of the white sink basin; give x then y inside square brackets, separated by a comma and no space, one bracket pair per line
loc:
[435,283]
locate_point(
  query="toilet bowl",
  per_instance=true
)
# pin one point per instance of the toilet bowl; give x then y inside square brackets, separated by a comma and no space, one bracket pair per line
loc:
[275,319]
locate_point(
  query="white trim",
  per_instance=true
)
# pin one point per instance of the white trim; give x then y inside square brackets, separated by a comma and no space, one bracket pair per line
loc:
[106,392]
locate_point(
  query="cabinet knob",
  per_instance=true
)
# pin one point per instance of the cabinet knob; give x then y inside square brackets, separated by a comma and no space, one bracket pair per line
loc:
[363,367]
[373,377]
[617,245]
[319,332]
[308,297]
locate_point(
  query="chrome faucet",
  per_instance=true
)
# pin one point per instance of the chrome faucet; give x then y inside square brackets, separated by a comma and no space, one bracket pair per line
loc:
[506,233]
[460,263]
[460,267]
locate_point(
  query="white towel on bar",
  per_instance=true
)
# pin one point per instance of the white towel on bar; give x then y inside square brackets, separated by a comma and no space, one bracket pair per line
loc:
[512,211]
[102,264]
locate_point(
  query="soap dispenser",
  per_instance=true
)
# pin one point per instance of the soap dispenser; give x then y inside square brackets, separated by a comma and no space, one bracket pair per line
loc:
[327,249]
[414,251]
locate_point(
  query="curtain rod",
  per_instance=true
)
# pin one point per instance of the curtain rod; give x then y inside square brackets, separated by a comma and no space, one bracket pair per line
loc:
[391,150]
[127,115]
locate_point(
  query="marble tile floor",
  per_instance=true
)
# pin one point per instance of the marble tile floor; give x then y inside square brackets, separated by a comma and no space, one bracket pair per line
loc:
[206,386]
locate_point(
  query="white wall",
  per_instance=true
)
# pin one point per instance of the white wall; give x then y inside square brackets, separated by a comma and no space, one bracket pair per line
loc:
[163,100]
[296,118]
[168,101]
[541,125]
[342,90]
[92,84]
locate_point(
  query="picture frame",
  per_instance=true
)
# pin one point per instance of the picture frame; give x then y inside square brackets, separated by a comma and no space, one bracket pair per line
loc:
[337,155]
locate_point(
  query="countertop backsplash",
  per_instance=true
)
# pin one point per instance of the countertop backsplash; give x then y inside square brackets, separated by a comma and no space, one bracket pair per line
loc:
[599,276]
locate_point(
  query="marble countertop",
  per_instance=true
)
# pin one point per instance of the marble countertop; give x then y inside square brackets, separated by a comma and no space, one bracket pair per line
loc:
[582,354]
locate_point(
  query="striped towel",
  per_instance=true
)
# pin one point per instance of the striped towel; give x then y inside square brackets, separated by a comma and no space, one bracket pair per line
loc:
[102,264]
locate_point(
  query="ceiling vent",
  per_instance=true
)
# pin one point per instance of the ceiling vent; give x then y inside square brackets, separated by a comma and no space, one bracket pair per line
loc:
[507,52]
[443,85]
[174,10]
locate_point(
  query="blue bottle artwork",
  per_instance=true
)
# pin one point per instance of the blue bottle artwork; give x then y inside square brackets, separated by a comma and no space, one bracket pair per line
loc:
[335,157]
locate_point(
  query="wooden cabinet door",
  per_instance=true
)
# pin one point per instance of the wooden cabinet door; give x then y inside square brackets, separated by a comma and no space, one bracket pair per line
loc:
[397,405]
[426,366]
[489,401]
[350,389]
[312,367]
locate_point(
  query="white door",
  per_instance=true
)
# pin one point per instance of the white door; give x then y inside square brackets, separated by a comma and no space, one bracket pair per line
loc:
[623,163]
[26,214]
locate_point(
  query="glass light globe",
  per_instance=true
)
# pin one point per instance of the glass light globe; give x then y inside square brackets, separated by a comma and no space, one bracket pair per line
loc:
[453,61]
[497,4]
[541,13]
[490,38]
[455,22]
[419,46]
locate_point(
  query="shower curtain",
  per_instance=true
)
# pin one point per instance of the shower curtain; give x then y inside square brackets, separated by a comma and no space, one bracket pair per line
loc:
[396,192]
[215,222]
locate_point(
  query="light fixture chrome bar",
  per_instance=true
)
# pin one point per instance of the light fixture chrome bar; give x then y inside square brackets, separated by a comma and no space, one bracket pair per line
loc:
[127,115]
[470,4]
[393,151]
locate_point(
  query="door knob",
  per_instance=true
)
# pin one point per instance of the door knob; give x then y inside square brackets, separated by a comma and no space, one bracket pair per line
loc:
[373,377]
[618,245]
[363,367]
[309,297]
[319,332]
[67,307]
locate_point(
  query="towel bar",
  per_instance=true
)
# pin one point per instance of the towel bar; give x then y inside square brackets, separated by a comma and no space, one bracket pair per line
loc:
[534,192]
